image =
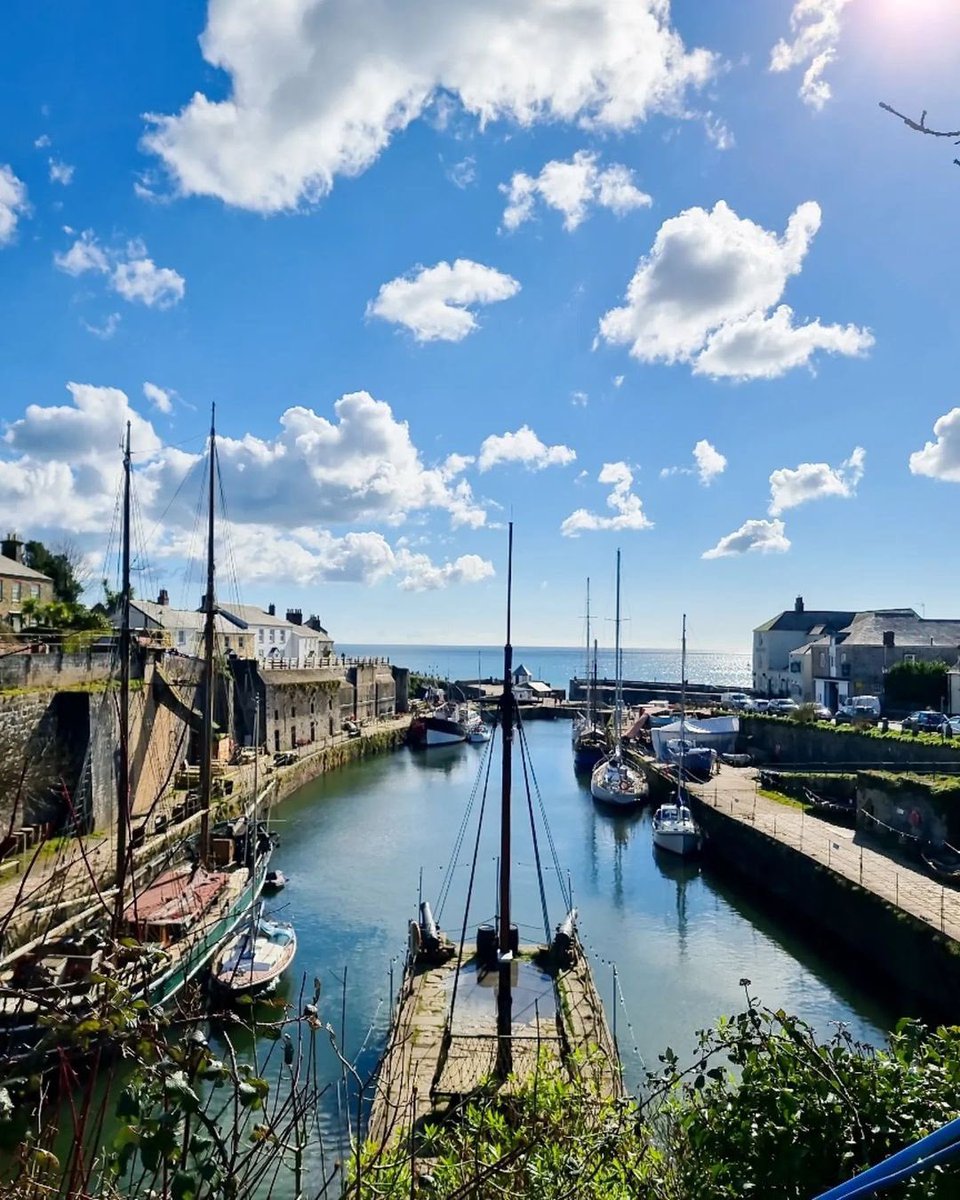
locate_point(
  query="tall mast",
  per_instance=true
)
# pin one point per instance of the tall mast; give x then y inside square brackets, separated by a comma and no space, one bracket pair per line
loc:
[206,745]
[683,704]
[618,694]
[504,996]
[589,689]
[123,772]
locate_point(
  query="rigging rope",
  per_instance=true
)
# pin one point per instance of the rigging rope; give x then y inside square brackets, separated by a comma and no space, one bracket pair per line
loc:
[533,833]
[485,760]
[564,889]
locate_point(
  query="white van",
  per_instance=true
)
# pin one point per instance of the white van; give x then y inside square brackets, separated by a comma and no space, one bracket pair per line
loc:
[859,707]
[735,699]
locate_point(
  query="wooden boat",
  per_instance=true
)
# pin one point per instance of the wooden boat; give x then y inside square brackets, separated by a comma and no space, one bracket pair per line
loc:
[614,781]
[161,935]
[252,961]
[468,1019]
[942,861]
[588,736]
[673,827]
[274,881]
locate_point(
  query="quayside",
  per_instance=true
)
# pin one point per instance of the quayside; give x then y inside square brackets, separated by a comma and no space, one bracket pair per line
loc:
[491,1015]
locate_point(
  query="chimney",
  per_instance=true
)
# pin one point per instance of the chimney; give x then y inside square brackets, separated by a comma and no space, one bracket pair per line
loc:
[272,610]
[12,547]
[164,597]
[798,604]
[888,638]
[295,616]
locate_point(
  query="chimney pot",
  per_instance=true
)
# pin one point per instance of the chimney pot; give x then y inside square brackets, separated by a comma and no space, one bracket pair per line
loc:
[798,604]
[164,597]
[295,616]
[12,547]
[272,610]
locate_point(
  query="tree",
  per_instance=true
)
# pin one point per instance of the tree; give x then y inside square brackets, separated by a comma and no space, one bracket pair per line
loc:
[65,568]
[921,126]
[916,685]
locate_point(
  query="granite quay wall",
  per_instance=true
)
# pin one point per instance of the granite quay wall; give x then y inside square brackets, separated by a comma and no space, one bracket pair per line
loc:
[784,742]
[915,956]
[56,669]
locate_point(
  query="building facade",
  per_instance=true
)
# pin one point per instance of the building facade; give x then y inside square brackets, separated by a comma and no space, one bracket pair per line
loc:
[19,583]
[838,656]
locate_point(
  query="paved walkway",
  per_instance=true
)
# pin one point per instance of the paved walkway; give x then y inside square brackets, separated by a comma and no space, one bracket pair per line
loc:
[848,852]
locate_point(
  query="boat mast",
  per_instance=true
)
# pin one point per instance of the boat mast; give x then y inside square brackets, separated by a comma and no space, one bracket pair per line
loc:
[504,996]
[206,739]
[618,694]
[593,683]
[683,703]
[123,772]
[589,689]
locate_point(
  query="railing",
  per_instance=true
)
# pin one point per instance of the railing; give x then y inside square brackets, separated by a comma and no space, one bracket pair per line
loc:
[842,852]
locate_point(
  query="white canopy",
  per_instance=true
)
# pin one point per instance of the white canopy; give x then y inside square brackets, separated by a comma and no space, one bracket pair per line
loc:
[715,733]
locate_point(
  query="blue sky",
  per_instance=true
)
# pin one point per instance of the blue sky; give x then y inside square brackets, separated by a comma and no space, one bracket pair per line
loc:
[438,267]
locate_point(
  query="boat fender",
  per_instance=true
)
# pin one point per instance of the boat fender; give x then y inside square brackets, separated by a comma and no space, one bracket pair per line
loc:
[428,927]
[415,939]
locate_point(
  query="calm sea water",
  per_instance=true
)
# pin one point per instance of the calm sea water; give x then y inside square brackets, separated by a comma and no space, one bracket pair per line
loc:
[353,844]
[557,665]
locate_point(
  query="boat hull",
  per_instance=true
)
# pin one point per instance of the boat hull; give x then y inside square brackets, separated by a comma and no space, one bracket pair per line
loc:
[674,841]
[617,785]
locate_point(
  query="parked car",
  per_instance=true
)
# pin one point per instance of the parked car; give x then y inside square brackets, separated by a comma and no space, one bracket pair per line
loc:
[926,721]
[822,713]
[783,706]
[284,758]
[848,713]
[735,699]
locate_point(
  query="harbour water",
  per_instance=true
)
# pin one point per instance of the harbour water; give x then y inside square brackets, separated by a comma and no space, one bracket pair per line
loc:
[353,844]
[557,665]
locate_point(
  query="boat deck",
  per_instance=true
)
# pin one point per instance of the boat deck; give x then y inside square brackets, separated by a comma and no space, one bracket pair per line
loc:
[424,1075]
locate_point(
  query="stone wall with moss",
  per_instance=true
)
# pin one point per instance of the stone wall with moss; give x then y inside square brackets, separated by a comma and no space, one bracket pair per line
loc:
[781,741]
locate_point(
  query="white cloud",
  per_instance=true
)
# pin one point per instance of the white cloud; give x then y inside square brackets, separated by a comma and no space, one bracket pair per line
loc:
[463,173]
[42,141]
[790,486]
[579,399]
[61,172]
[434,302]
[570,187]
[132,273]
[618,381]
[764,347]
[86,254]
[420,574]
[941,459]
[60,470]
[141,280]
[762,537]
[626,505]
[319,89]
[710,462]
[105,331]
[815,25]
[523,447]
[159,397]
[704,292]
[718,132]
[13,204]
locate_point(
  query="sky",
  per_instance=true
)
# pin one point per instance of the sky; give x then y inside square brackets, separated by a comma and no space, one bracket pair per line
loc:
[649,276]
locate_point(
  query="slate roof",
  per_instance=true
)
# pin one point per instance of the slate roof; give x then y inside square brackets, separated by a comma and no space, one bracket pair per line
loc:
[806,621]
[909,629]
[11,569]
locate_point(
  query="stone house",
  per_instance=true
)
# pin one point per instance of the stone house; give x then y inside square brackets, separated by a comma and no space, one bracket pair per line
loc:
[18,583]
[773,642]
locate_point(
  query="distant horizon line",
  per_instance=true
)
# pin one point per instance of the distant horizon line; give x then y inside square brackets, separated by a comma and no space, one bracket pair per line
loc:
[533,646]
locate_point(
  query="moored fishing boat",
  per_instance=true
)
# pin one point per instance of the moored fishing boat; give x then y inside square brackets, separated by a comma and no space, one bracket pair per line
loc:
[445,726]
[674,828]
[490,1016]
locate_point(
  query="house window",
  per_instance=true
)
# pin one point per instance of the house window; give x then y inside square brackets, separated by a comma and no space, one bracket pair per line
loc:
[181,637]
[226,642]
[283,635]
[276,714]
[272,637]
[15,591]
[260,634]
[843,656]
[35,591]
[1,589]
[293,713]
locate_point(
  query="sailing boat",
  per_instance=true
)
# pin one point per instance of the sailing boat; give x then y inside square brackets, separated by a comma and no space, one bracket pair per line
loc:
[163,935]
[189,910]
[454,1029]
[613,780]
[674,828]
[589,741]
[252,961]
